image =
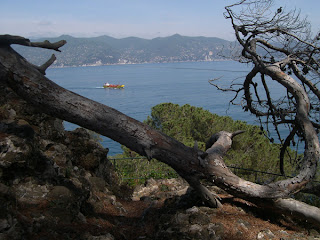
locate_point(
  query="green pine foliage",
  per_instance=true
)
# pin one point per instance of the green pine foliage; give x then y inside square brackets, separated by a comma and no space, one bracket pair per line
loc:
[188,124]
[250,150]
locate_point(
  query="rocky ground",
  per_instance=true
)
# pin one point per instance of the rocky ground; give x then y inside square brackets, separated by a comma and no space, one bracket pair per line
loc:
[56,184]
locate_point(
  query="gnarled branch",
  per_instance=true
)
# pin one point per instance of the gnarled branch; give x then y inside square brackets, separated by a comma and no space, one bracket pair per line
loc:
[50,98]
[9,39]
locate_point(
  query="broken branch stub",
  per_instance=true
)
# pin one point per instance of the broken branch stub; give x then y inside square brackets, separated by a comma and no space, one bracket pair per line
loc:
[9,39]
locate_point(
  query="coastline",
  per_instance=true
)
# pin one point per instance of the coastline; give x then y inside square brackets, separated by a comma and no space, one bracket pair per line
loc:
[133,63]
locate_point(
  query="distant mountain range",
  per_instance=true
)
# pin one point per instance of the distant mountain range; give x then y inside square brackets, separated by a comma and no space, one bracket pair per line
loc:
[105,50]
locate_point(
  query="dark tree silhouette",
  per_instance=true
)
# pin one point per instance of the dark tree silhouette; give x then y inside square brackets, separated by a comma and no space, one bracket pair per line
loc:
[281,47]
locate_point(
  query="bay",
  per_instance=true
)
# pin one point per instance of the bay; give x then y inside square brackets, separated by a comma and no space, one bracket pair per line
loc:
[147,85]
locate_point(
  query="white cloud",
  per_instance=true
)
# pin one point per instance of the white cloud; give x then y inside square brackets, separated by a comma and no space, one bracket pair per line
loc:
[45,23]
[57,27]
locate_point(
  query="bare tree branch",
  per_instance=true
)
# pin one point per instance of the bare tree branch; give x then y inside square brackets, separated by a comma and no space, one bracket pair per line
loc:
[284,147]
[190,163]
[8,40]
[47,64]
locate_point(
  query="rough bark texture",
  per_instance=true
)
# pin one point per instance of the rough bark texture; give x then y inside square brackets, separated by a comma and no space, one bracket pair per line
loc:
[192,164]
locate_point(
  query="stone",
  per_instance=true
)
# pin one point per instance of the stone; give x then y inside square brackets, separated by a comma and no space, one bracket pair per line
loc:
[4,224]
[199,218]
[82,218]
[195,228]
[192,210]
[244,225]
[30,191]
[146,199]
[88,236]
[4,190]
[60,193]
[58,152]
[181,218]
[216,229]
[283,232]
[265,235]
[208,210]
[97,183]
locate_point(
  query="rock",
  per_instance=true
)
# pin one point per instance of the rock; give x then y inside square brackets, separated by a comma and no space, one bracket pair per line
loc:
[58,152]
[97,183]
[282,232]
[216,230]
[195,228]
[60,193]
[31,189]
[4,190]
[14,151]
[208,210]
[47,174]
[156,189]
[62,204]
[244,225]
[107,236]
[82,218]
[265,235]
[146,199]
[106,171]
[181,219]
[87,153]
[4,225]
[193,210]
[199,218]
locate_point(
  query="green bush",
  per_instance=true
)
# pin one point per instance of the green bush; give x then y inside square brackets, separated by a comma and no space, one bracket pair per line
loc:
[187,124]
[250,150]
[136,170]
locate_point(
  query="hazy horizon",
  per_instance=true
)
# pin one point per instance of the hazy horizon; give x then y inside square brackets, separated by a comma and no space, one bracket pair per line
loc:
[120,19]
[70,35]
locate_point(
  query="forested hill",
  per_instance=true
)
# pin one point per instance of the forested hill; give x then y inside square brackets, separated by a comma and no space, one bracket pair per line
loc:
[108,50]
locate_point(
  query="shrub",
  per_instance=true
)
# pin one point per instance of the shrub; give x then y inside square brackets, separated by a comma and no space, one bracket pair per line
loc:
[250,150]
[187,124]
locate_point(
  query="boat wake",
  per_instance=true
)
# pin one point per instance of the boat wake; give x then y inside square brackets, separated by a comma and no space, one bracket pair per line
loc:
[74,88]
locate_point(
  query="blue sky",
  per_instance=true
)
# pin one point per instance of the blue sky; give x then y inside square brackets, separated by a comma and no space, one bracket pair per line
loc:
[123,18]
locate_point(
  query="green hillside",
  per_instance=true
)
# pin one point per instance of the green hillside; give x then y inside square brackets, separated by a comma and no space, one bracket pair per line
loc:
[108,50]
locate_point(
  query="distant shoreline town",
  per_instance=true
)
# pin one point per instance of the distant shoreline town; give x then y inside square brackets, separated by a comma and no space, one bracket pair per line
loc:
[105,50]
[129,63]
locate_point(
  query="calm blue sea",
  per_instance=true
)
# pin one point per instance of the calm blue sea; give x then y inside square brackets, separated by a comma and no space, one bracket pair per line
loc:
[147,85]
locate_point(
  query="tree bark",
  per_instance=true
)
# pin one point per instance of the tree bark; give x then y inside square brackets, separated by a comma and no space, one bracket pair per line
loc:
[29,83]
[190,163]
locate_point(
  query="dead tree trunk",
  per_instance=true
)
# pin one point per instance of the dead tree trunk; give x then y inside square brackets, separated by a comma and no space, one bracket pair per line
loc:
[190,163]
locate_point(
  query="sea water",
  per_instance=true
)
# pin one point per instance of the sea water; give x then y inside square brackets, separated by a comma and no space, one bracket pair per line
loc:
[147,85]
